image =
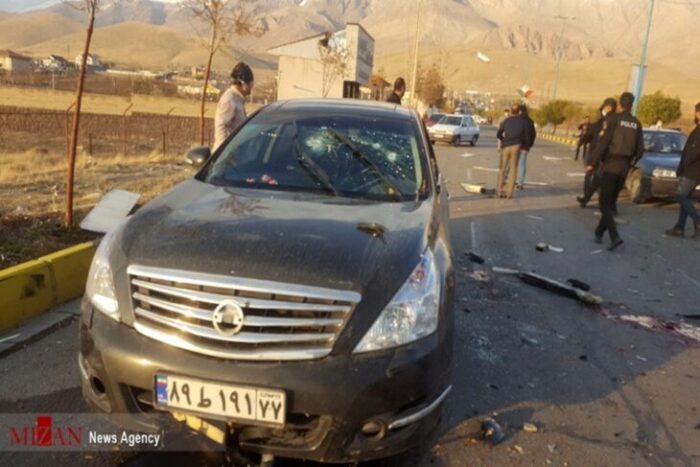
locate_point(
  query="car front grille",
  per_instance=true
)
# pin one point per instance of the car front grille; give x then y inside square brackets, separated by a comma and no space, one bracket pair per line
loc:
[280,321]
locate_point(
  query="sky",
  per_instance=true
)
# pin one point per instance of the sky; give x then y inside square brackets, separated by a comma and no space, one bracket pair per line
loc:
[19,6]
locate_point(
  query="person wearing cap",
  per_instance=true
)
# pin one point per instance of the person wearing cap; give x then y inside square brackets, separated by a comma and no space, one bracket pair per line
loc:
[620,147]
[230,111]
[398,92]
[591,181]
[689,179]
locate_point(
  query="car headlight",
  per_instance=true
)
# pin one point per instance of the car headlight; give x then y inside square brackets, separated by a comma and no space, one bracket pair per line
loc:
[664,173]
[100,283]
[411,314]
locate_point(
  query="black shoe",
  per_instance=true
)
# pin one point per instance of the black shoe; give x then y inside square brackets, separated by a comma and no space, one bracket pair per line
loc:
[697,230]
[675,232]
[598,239]
[615,243]
[581,201]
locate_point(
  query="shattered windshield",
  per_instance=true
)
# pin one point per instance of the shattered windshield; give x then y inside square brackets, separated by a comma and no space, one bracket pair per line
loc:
[352,156]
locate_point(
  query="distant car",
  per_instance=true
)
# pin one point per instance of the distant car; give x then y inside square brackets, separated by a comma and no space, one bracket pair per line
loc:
[480,120]
[455,129]
[654,176]
[433,119]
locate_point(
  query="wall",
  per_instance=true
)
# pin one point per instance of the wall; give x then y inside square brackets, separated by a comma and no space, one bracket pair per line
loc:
[301,78]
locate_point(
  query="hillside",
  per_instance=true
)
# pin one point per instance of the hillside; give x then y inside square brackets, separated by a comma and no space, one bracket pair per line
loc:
[22,31]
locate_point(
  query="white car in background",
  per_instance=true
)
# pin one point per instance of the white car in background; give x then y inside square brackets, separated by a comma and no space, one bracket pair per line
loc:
[455,129]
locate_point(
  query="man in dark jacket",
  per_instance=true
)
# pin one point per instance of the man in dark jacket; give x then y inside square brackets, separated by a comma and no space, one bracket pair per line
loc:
[398,92]
[582,132]
[591,182]
[513,135]
[525,150]
[689,173]
[620,146]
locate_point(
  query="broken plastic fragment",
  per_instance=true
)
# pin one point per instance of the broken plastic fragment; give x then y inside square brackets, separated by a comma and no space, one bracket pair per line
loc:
[492,431]
[474,258]
[530,428]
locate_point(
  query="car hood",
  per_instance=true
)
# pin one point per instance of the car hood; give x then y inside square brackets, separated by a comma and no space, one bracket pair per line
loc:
[664,161]
[443,127]
[297,238]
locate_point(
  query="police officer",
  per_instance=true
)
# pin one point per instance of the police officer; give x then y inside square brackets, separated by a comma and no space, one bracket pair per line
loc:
[591,182]
[620,146]
[230,111]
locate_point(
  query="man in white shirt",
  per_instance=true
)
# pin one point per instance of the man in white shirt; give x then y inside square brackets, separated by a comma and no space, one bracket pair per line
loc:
[230,111]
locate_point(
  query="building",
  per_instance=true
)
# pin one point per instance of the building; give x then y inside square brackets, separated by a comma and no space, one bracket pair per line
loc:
[15,63]
[92,63]
[330,65]
[55,63]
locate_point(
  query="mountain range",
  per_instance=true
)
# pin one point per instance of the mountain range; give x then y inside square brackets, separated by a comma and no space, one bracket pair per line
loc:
[523,37]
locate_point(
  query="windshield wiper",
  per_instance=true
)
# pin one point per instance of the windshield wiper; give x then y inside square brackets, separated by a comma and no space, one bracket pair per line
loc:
[314,170]
[359,155]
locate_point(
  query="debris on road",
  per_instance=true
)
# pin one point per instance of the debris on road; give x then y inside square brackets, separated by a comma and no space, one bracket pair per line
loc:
[529,340]
[583,357]
[474,258]
[693,316]
[566,290]
[543,247]
[492,431]
[478,189]
[517,449]
[480,276]
[682,330]
[579,284]
[537,218]
[530,428]
[596,252]
[500,270]
[640,358]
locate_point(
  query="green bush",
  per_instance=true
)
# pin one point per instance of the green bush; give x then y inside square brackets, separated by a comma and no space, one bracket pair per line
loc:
[658,106]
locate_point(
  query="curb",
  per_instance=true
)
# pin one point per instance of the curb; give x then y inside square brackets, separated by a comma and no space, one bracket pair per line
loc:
[560,139]
[32,288]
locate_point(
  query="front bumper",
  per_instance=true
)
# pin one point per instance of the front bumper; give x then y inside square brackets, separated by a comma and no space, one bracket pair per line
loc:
[445,137]
[329,400]
[666,187]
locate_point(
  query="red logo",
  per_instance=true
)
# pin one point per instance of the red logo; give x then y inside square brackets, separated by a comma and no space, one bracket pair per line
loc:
[45,434]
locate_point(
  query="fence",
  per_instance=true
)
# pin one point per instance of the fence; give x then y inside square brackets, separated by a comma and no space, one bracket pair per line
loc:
[134,132]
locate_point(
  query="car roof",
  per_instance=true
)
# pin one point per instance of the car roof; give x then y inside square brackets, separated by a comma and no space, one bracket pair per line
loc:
[366,108]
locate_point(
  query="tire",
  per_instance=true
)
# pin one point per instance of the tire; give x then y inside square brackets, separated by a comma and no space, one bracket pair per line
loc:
[457,141]
[635,186]
[475,138]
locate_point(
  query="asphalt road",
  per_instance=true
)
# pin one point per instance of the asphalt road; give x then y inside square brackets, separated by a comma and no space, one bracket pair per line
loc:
[601,391]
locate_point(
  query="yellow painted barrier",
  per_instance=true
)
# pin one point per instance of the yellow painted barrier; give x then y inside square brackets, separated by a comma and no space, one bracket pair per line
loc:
[34,287]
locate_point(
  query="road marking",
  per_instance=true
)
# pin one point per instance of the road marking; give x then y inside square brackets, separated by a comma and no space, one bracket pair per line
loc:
[468,154]
[552,158]
[472,228]
[536,183]
[469,175]
[537,218]
[577,174]
[486,169]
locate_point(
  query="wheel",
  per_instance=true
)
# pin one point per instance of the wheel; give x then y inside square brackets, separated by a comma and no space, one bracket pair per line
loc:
[635,186]
[457,141]
[475,138]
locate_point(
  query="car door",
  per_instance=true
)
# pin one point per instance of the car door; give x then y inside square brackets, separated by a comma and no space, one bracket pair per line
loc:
[470,129]
[464,128]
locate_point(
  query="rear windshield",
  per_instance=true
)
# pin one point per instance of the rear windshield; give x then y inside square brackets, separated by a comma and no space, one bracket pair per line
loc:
[664,143]
[436,117]
[454,121]
[341,155]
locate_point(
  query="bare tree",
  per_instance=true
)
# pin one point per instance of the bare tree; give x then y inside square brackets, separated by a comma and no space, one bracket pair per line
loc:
[224,19]
[90,7]
[334,59]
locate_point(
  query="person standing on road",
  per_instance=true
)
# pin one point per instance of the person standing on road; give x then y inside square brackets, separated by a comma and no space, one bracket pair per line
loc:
[582,132]
[513,136]
[591,182]
[398,92]
[230,111]
[620,146]
[525,149]
[689,179]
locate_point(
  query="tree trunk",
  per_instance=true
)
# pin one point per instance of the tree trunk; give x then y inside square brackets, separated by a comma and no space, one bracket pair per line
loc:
[204,93]
[76,122]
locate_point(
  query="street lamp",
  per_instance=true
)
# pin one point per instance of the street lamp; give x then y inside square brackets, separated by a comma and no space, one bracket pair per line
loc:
[415,54]
[639,84]
[563,19]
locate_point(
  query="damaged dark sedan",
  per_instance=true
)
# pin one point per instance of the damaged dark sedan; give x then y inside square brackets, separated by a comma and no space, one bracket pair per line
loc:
[297,292]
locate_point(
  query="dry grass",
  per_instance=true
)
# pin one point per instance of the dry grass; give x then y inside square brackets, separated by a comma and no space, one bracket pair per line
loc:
[32,190]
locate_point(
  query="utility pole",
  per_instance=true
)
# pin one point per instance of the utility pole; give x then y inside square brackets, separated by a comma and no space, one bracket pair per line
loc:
[563,19]
[414,73]
[639,88]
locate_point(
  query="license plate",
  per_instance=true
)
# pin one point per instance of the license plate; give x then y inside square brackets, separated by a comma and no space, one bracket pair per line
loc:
[265,406]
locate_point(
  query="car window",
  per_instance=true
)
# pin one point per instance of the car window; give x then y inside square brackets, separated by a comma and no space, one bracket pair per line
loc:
[664,142]
[436,117]
[447,120]
[469,121]
[357,156]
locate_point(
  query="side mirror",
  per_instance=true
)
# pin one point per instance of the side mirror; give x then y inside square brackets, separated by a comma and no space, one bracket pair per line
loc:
[196,157]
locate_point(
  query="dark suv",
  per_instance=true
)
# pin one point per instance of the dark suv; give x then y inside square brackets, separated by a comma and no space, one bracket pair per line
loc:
[297,292]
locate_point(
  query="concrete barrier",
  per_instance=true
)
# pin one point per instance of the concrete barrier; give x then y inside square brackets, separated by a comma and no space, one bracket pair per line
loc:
[558,139]
[34,287]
